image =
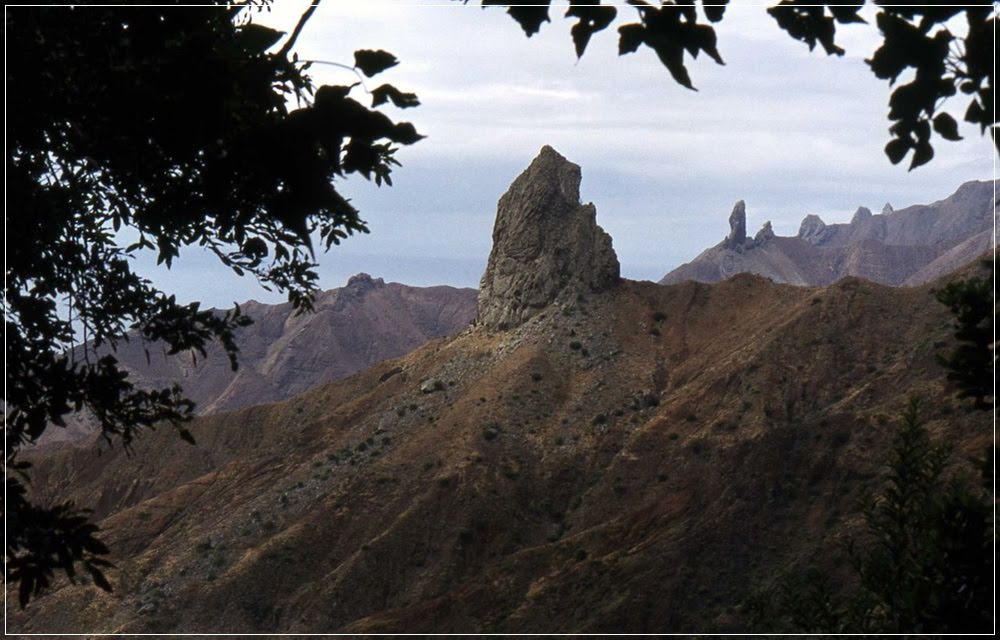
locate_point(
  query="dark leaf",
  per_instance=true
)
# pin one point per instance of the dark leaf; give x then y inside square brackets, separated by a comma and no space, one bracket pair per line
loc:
[671,54]
[530,17]
[329,95]
[592,18]
[922,154]
[405,133]
[99,579]
[387,92]
[977,115]
[94,545]
[703,37]
[846,12]
[946,126]
[714,9]
[372,62]
[808,23]
[630,36]
[897,149]
[25,588]
[903,46]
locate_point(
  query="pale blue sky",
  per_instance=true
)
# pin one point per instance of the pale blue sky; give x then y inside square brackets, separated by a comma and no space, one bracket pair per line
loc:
[789,131]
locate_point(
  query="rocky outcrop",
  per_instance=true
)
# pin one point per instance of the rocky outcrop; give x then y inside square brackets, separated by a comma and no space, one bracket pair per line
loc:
[765,234]
[861,215]
[887,209]
[363,283]
[812,228]
[354,292]
[737,227]
[546,244]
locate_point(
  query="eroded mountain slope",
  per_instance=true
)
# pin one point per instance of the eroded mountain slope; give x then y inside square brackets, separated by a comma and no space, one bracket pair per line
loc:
[621,457]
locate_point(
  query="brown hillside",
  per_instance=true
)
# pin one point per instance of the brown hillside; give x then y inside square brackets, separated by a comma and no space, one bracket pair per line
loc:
[593,455]
[634,460]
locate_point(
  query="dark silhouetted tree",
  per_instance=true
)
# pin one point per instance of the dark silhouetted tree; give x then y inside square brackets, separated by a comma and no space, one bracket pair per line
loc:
[923,563]
[154,128]
[970,365]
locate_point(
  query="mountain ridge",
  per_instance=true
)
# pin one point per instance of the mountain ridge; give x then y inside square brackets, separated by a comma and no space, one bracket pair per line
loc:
[282,353]
[904,247]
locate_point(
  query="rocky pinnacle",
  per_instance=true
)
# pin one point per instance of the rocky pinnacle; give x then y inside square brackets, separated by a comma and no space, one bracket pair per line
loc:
[737,227]
[812,229]
[861,215]
[766,233]
[546,245]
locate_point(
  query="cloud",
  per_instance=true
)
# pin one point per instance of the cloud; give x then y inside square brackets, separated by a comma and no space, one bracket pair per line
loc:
[790,131]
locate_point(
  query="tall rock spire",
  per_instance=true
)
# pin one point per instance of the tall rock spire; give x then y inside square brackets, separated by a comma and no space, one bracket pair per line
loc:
[737,227]
[545,243]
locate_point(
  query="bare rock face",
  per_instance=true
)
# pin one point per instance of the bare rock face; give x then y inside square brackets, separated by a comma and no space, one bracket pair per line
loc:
[766,233]
[737,227]
[812,228]
[545,244]
[862,214]
[362,283]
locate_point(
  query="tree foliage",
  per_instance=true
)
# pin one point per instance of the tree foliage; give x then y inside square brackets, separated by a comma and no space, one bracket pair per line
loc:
[923,563]
[152,129]
[971,364]
[942,50]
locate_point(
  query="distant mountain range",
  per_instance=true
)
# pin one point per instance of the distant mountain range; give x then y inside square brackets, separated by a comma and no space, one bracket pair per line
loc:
[896,247]
[283,354]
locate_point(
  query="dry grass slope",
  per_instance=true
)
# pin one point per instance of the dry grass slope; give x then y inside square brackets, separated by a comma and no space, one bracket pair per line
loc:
[638,460]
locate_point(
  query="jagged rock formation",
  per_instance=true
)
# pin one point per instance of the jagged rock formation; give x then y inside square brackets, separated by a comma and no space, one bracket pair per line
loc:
[906,247]
[546,244]
[361,283]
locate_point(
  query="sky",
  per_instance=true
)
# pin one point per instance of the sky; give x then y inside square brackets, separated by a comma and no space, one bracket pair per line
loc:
[791,132]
